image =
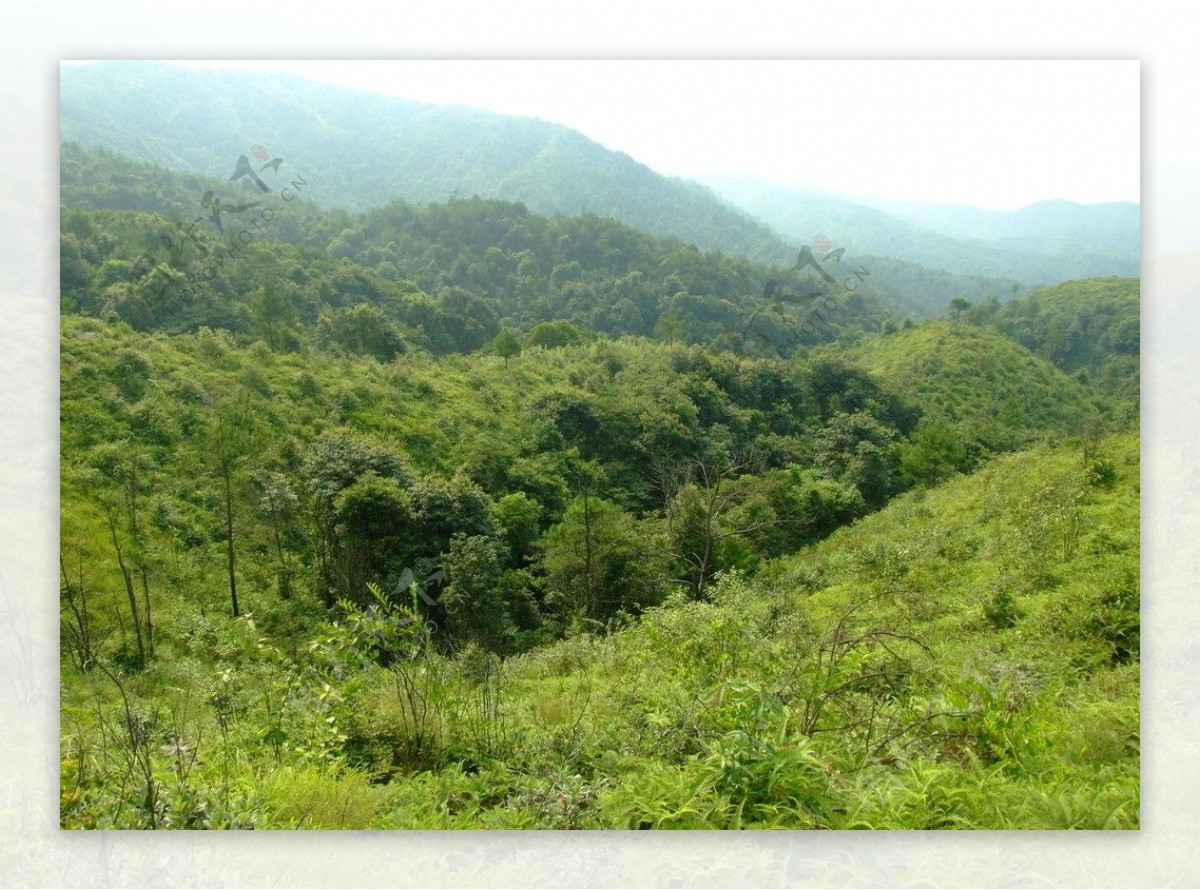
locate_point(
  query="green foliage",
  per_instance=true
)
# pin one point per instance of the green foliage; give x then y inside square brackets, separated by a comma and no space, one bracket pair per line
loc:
[853,686]
[131,374]
[553,335]
[443,278]
[597,564]
[987,391]
[621,582]
[1001,609]
[932,454]
[485,603]
[362,329]
[855,450]
[1089,329]
[507,345]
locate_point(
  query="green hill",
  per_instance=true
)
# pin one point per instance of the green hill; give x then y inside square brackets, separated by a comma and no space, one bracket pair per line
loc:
[363,150]
[1090,329]
[993,392]
[967,658]
[442,277]
[450,513]
[137,239]
[593,585]
[138,242]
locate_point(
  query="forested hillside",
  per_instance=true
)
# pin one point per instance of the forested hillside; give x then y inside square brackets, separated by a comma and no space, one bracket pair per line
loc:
[993,394]
[1089,329]
[362,150]
[454,514]
[966,658]
[138,242]
[365,520]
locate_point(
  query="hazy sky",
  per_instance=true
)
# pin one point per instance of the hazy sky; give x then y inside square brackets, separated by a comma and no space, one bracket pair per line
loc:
[991,133]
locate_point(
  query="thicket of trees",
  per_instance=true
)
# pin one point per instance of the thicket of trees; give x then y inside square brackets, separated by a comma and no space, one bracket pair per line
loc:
[585,480]
[596,272]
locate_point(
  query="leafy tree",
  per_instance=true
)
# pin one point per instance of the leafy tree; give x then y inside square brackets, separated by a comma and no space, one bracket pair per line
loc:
[280,505]
[856,449]
[373,525]
[520,517]
[932,454]
[710,518]
[597,563]
[275,314]
[485,603]
[334,461]
[443,508]
[806,507]
[670,328]
[363,329]
[554,335]
[506,345]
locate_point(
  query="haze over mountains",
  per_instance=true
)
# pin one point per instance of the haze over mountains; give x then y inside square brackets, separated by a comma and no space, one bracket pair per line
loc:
[1046,242]
[362,150]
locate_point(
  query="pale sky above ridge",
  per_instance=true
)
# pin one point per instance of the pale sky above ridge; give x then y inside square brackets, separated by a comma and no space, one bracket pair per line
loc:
[995,134]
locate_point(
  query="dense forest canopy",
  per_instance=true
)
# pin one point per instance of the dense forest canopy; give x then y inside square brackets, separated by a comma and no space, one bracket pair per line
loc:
[473,264]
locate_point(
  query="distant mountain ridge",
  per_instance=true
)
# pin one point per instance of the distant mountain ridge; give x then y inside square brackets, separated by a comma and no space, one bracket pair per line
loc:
[1044,243]
[364,150]
[360,150]
[92,179]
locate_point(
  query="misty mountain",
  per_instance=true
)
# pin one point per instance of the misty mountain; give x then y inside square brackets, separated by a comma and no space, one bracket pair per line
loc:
[362,150]
[1044,243]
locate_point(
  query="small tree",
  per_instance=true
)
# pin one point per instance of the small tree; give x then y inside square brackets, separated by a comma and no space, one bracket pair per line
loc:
[597,564]
[485,603]
[274,313]
[958,306]
[278,502]
[226,442]
[706,529]
[931,455]
[670,327]
[506,345]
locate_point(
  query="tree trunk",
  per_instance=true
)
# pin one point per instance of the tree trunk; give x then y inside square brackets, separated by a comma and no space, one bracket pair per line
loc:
[229,540]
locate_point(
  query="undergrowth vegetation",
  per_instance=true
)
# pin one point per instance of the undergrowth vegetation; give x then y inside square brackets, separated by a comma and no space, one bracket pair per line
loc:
[965,658]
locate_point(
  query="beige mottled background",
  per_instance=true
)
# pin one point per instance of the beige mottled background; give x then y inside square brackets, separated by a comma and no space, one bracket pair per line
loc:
[35,35]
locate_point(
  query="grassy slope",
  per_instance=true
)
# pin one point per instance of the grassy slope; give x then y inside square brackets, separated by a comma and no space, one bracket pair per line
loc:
[1090,329]
[692,716]
[703,714]
[993,389]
